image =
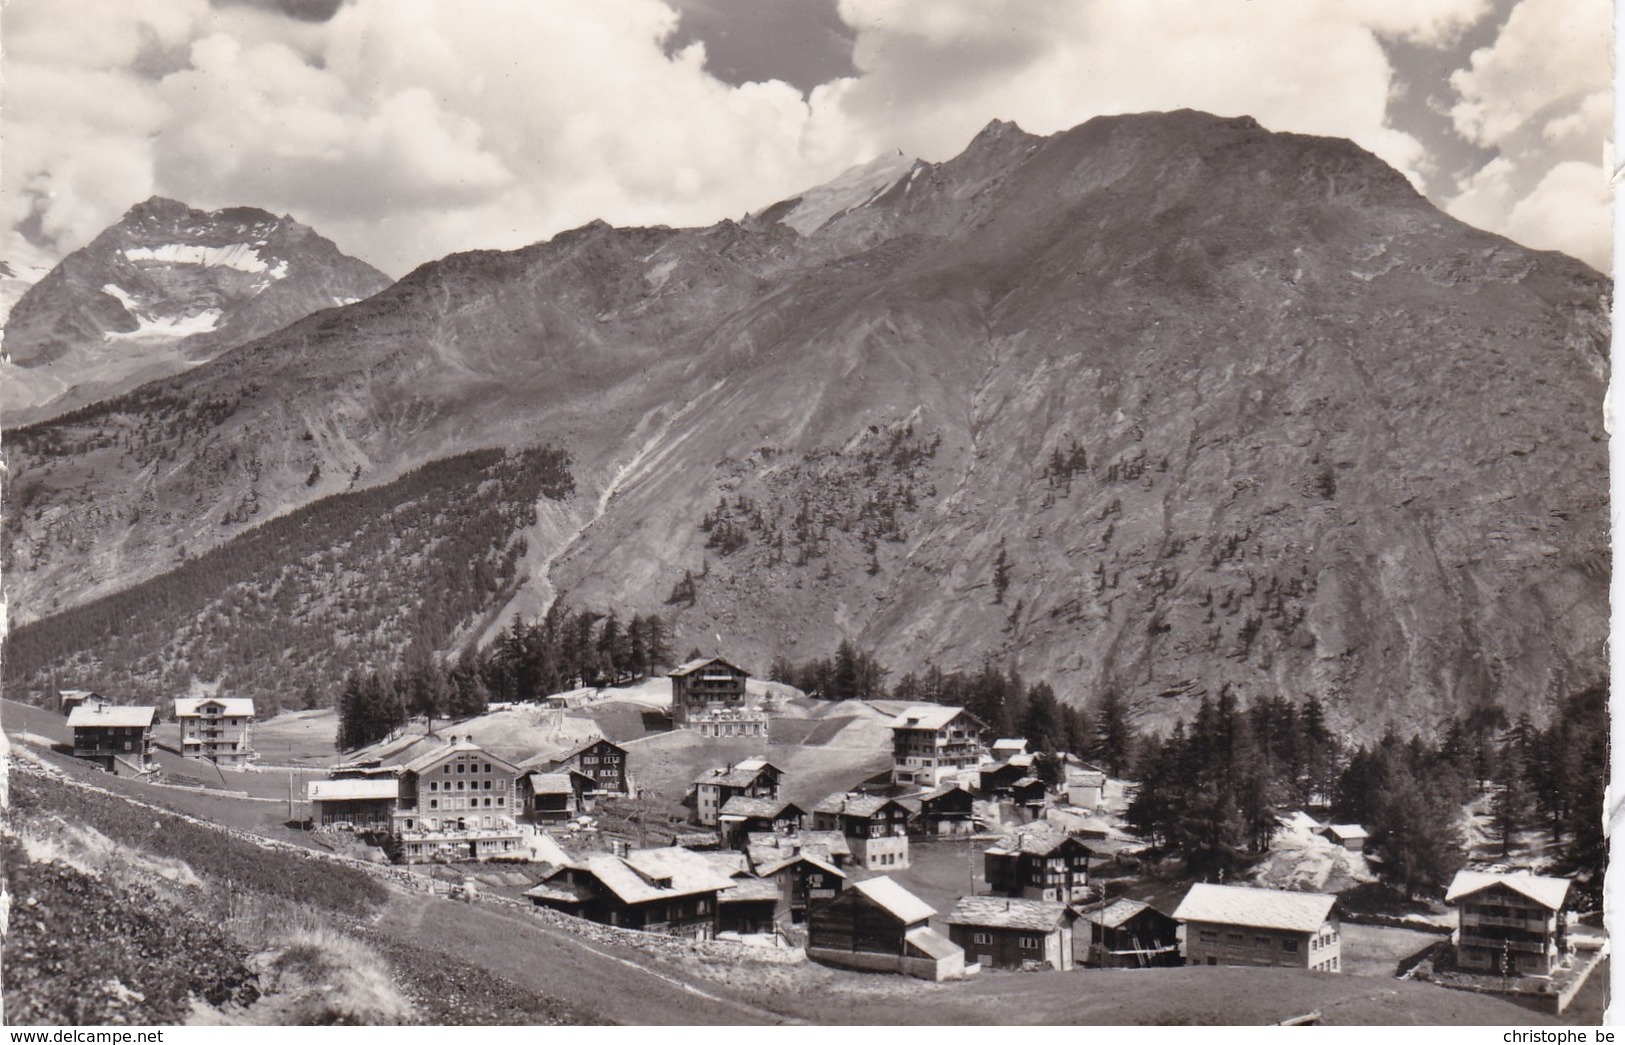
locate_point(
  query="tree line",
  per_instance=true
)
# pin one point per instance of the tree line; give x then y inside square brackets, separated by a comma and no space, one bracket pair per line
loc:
[530,660]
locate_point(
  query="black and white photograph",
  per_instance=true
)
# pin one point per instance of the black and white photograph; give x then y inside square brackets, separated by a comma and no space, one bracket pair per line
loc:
[869,513]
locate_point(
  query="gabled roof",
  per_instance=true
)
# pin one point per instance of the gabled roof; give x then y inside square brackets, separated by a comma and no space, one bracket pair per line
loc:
[772,867]
[1257,908]
[742,774]
[557,757]
[1039,838]
[1119,911]
[1085,778]
[860,806]
[119,715]
[1345,832]
[1014,745]
[353,789]
[648,874]
[765,846]
[189,707]
[766,808]
[551,783]
[1550,893]
[750,890]
[429,759]
[901,903]
[944,791]
[692,666]
[930,716]
[1004,913]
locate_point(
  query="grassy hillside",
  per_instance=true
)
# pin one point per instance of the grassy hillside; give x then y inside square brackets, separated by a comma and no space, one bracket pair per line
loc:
[292,604]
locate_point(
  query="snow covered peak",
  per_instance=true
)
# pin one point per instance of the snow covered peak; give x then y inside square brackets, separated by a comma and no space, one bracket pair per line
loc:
[852,188]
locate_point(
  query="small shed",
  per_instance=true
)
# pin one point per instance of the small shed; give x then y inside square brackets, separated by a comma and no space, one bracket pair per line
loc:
[1130,934]
[1350,836]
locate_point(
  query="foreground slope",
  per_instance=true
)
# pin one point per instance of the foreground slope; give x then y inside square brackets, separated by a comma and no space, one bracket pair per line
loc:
[1230,406]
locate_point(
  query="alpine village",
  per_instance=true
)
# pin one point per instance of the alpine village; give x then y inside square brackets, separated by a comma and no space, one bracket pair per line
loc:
[1017,592]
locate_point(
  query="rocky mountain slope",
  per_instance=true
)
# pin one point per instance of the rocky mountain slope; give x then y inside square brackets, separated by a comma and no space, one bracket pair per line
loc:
[1158,403]
[163,289]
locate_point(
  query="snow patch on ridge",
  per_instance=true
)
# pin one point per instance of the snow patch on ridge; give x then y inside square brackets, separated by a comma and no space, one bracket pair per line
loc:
[239,256]
[171,326]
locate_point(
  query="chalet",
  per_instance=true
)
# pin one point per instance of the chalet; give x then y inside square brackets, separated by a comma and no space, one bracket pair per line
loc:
[673,891]
[599,759]
[879,926]
[752,778]
[457,802]
[553,797]
[750,904]
[709,696]
[1129,934]
[1349,836]
[1030,795]
[1239,925]
[742,816]
[931,743]
[1039,862]
[996,779]
[1509,924]
[875,827]
[1085,788]
[117,737]
[358,803]
[219,729]
[999,932]
[802,879]
[829,846]
[949,810]
[68,699]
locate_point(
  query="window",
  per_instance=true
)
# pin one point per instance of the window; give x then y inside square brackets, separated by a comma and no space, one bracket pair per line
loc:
[433,786]
[1233,937]
[434,803]
[1031,943]
[499,801]
[981,938]
[446,768]
[1289,946]
[487,767]
[461,768]
[1208,936]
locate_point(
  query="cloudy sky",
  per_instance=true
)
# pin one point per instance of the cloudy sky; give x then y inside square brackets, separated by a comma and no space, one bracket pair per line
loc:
[407,129]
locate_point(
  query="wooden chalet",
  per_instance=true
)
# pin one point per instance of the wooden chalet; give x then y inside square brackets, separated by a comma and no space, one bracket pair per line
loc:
[1030,795]
[672,890]
[802,879]
[548,798]
[949,810]
[1510,924]
[932,743]
[117,737]
[751,778]
[878,926]
[1240,925]
[1004,747]
[1000,932]
[601,760]
[997,779]
[743,816]
[1039,862]
[829,846]
[1129,934]
[875,827]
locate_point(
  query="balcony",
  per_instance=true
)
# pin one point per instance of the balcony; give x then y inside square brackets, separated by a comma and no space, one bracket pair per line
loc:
[1532,923]
[1493,944]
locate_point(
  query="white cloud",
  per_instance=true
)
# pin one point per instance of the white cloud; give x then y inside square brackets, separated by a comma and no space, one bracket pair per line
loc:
[1540,96]
[406,129]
